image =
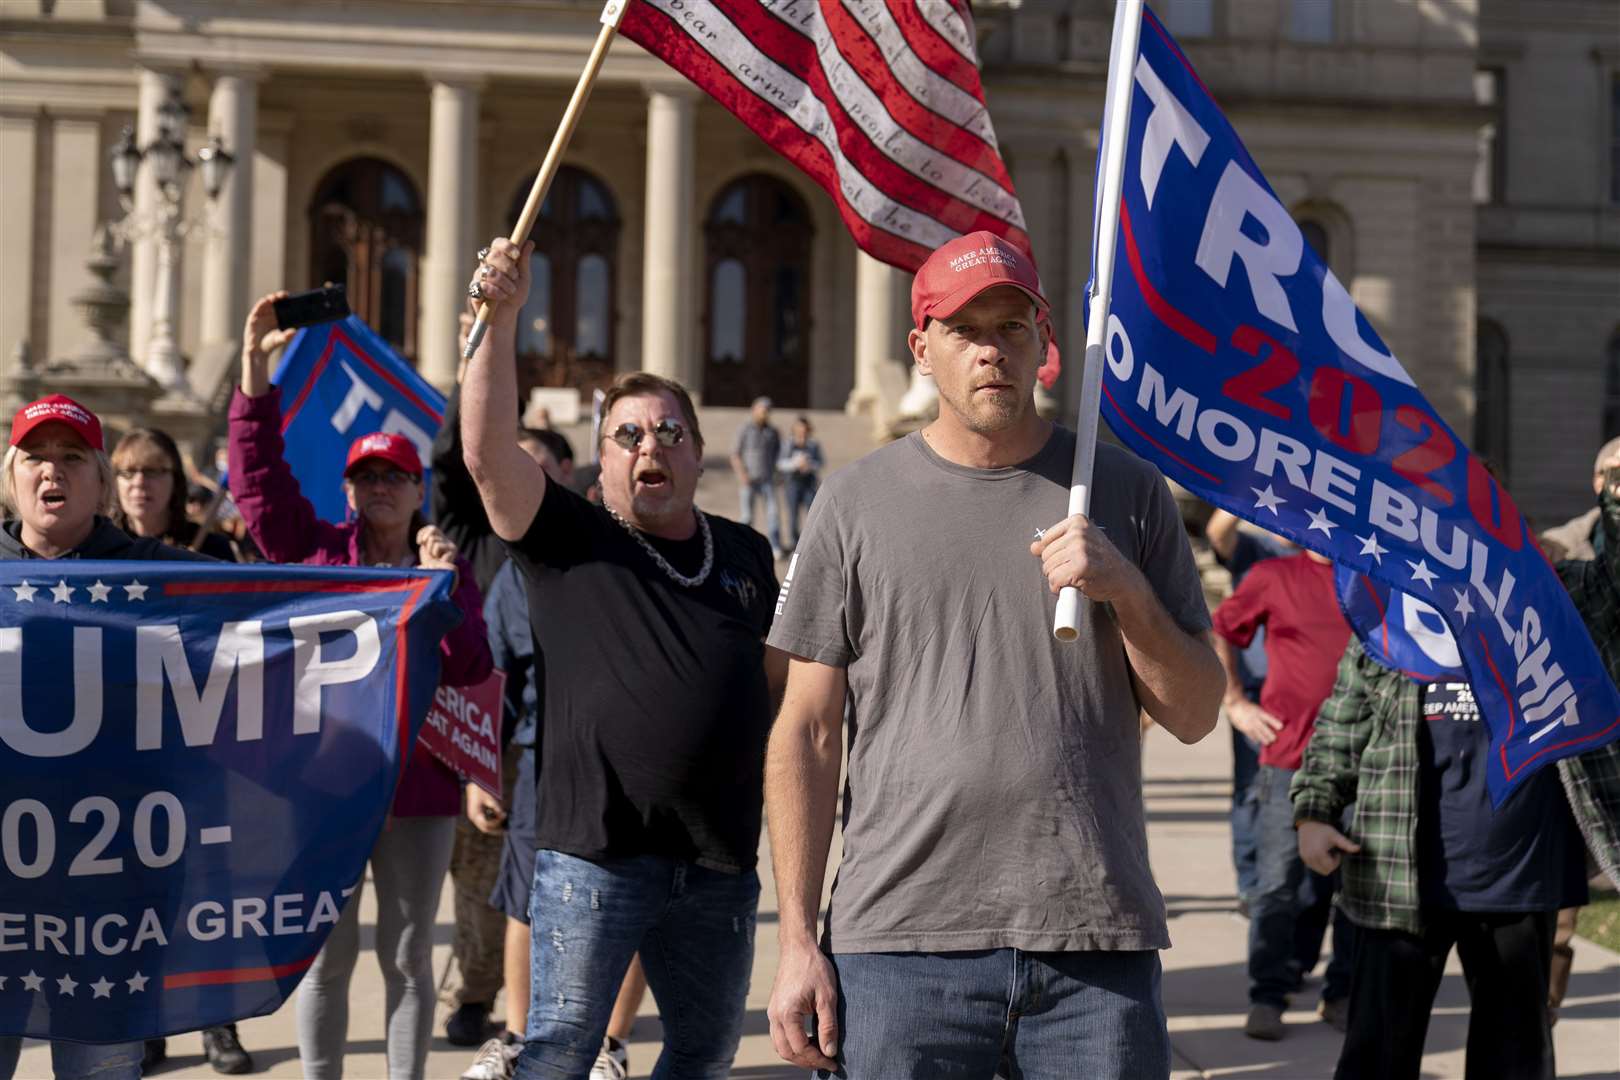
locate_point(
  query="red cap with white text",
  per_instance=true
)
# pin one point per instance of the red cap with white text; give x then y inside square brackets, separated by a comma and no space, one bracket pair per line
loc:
[57,409]
[963,268]
[395,449]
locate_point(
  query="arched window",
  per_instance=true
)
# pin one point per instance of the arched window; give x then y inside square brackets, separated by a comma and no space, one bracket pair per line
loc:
[1611,390]
[566,334]
[756,328]
[1492,395]
[1316,236]
[366,233]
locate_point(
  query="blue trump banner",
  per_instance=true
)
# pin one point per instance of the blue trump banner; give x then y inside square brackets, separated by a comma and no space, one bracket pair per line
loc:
[198,761]
[1238,363]
[1399,630]
[340,381]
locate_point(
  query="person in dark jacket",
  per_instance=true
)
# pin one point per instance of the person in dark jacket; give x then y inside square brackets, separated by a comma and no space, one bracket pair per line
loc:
[151,485]
[383,481]
[56,483]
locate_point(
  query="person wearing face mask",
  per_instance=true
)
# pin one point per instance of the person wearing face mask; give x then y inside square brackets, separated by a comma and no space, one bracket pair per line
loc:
[383,481]
[648,620]
[57,487]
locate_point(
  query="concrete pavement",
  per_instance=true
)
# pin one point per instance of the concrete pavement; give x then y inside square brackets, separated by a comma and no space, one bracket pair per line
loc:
[1204,983]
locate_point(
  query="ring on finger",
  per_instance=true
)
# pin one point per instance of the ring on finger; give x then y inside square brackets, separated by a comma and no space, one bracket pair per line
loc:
[475,289]
[483,270]
[483,253]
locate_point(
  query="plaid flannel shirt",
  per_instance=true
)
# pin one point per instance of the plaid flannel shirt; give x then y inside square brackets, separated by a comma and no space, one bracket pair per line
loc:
[1365,751]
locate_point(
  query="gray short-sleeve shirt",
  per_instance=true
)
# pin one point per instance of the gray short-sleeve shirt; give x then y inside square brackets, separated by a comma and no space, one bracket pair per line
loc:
[994,797]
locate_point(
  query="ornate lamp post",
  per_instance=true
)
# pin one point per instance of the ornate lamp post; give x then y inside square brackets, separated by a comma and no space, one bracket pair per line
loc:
[169,167]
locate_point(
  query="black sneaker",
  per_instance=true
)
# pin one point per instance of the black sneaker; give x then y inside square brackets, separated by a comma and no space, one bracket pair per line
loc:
[224,1050]
[468,1025]
[155,1053]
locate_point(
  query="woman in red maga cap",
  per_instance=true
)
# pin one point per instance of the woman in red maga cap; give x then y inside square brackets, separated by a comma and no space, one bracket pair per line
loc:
[383,481]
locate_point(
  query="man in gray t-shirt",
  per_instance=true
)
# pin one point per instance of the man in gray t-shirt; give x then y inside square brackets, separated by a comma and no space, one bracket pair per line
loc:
[994,849]
[753,459]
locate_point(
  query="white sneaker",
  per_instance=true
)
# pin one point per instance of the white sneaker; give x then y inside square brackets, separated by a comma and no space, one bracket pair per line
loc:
[613,1063]
[494,1061]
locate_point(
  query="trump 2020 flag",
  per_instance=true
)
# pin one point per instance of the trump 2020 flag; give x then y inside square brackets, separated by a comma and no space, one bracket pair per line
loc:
[1237,363]
[340,381]
[198,759]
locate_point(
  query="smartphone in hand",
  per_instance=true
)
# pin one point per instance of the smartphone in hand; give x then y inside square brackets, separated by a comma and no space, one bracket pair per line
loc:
[326,304]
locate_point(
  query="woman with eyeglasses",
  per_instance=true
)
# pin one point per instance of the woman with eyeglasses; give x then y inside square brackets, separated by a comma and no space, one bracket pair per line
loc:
[151,484]
[383,482]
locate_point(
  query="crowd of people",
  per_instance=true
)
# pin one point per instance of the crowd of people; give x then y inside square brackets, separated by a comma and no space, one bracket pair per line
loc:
[666,694]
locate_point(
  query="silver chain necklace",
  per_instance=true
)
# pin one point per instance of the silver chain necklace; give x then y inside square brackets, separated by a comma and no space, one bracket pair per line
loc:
[692,581]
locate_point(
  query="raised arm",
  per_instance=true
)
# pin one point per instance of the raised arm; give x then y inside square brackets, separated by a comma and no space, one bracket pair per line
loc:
[510,482]
[801,797]
[281,521]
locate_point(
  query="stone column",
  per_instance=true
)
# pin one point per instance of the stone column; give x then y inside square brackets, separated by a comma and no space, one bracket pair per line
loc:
[881,358]
[77,169]
[452,240]
[155,87]
[668,296]
[233,111]
[19,152]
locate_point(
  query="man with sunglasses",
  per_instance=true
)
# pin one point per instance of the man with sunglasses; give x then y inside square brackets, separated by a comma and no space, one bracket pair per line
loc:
[994,899]
[657,704]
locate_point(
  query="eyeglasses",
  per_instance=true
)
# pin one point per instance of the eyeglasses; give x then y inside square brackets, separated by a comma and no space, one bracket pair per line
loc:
[389,477]
[151,472]
[667,432]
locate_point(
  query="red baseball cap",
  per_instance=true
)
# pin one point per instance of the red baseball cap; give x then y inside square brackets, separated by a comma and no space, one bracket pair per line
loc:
[963,268]
[397,450]
[57,409]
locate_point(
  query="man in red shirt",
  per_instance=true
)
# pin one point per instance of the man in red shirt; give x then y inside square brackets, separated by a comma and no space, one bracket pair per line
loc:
[1294,599]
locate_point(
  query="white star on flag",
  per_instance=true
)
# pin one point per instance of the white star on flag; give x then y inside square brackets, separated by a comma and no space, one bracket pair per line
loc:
[66,985]
[1370,546]
[98,592]
[62,591]
[135,590]
[102,988]
[25,592]
[1421,572]
[1465,606]
[1320,520]
[136,983]
[1268,500]
[33,982]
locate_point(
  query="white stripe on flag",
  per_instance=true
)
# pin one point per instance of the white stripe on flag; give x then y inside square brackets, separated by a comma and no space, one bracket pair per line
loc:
[943,18]
[932,90]
[794,99]
[866,110]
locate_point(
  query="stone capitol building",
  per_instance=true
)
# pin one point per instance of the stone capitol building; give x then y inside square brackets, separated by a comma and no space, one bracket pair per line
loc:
[1457,163]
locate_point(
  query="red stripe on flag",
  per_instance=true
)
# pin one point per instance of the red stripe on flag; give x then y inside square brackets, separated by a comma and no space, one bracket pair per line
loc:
[866,58]
[228,588]
[934,50]
[796,53]
[365,358]
[769,123]
[226,976]
[1171,316]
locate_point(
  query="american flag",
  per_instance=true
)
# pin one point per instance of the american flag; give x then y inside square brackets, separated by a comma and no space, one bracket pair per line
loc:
[878,103]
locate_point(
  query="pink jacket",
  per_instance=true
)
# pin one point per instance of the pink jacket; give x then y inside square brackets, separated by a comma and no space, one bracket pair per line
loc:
[284,525]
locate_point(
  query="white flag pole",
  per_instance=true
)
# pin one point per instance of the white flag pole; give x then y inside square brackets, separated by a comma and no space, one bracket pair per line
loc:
[1117,118]
[612,13]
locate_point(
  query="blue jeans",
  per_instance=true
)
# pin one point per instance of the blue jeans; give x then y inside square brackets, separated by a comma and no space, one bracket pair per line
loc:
[799,491]
[694,929]
[1291,906]
[761,489]
[1033,1016]
[78,1061]
[1245,764]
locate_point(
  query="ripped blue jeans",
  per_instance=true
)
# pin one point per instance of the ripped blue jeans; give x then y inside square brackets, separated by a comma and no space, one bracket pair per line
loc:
[694,929]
